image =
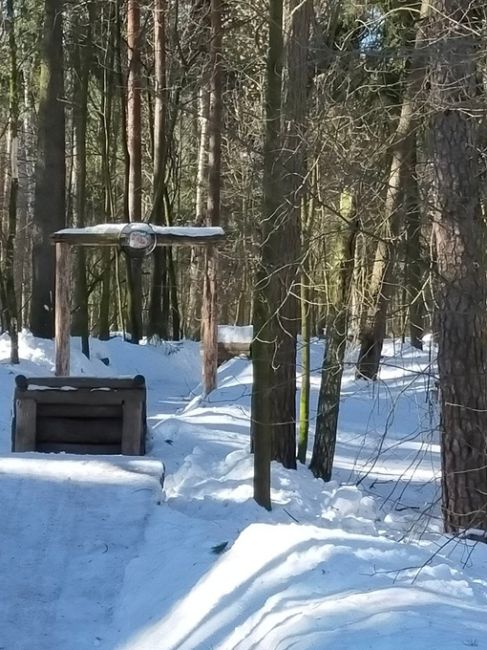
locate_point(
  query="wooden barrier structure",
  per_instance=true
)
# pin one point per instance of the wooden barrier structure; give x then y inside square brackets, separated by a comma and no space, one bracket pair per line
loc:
[228,350]
[234,341]
[139,237]
[80,415]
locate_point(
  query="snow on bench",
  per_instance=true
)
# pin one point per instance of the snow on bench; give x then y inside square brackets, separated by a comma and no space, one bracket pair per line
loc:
[233,341]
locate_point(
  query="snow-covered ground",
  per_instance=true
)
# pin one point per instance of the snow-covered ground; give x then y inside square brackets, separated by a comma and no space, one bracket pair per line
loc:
[93,554]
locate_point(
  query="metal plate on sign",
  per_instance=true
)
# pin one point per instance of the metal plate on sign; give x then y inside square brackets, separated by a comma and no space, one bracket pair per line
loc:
[138,239]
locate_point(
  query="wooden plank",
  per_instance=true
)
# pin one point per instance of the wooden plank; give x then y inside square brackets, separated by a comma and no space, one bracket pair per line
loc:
[62,321]
[24,434]
[235,348]
[106,431]
[133,442]
[57,447]
[136,382]
[81,238]
[78,397]
[228,350]
[79,411]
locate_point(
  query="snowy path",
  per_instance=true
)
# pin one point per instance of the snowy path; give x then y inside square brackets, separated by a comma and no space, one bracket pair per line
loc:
[88,560]
[70,527]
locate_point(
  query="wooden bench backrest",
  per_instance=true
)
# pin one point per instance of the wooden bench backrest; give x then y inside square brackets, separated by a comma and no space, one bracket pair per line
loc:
[85,415]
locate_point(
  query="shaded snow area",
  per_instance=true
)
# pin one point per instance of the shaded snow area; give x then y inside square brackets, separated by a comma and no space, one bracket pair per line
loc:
[93,554]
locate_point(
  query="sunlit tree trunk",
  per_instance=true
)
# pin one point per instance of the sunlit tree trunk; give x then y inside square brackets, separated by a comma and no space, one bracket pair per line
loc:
[414,259]
[107,127]
[200,205]
[307,222]
[134,127]
[158,318]
[210,271]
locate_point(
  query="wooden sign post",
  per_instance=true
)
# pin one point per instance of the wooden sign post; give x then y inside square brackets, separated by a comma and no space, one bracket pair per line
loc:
[139,239]
[62,320]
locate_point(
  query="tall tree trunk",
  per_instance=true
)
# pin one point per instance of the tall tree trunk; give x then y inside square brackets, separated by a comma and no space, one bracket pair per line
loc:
[23,244]
[194,302]
[158,318]
[123,105]
[414,259]
[9,299]
[453,139]
[307,222]
[286,278]
[210,273]
[336,340]
[105,297]
[49,206]
[373,330]
[81,65]
[305,369]
[134,128]
[107,126]
[264,299]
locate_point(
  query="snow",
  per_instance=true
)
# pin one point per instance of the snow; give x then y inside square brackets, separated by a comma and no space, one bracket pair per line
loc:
[100,229]
[93,554]
[189,231]
[235,333]
[39,387]
[116,229]
[67,525]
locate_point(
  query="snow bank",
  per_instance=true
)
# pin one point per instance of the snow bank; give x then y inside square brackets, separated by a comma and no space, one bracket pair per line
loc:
[356,563]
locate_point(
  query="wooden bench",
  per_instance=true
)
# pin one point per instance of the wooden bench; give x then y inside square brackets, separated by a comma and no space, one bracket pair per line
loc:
[80,415]
[228,350]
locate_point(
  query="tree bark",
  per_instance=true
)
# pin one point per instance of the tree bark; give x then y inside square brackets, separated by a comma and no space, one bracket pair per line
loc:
[49,206]
[210,285]
[158,317]
[194,301]
[286,277]
[9,299]
[264,295]
[81,64]
[336,340]
[414,259]
[108,158]
[305,370]
[453,139]
[373,330]
[134,127]
[307,222]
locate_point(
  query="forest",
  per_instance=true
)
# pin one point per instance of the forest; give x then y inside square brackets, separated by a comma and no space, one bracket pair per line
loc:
[341,147]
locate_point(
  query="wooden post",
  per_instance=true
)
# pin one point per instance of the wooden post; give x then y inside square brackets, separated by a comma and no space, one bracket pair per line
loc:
[24,435]
[209,323]
[63,308]
[132,426]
